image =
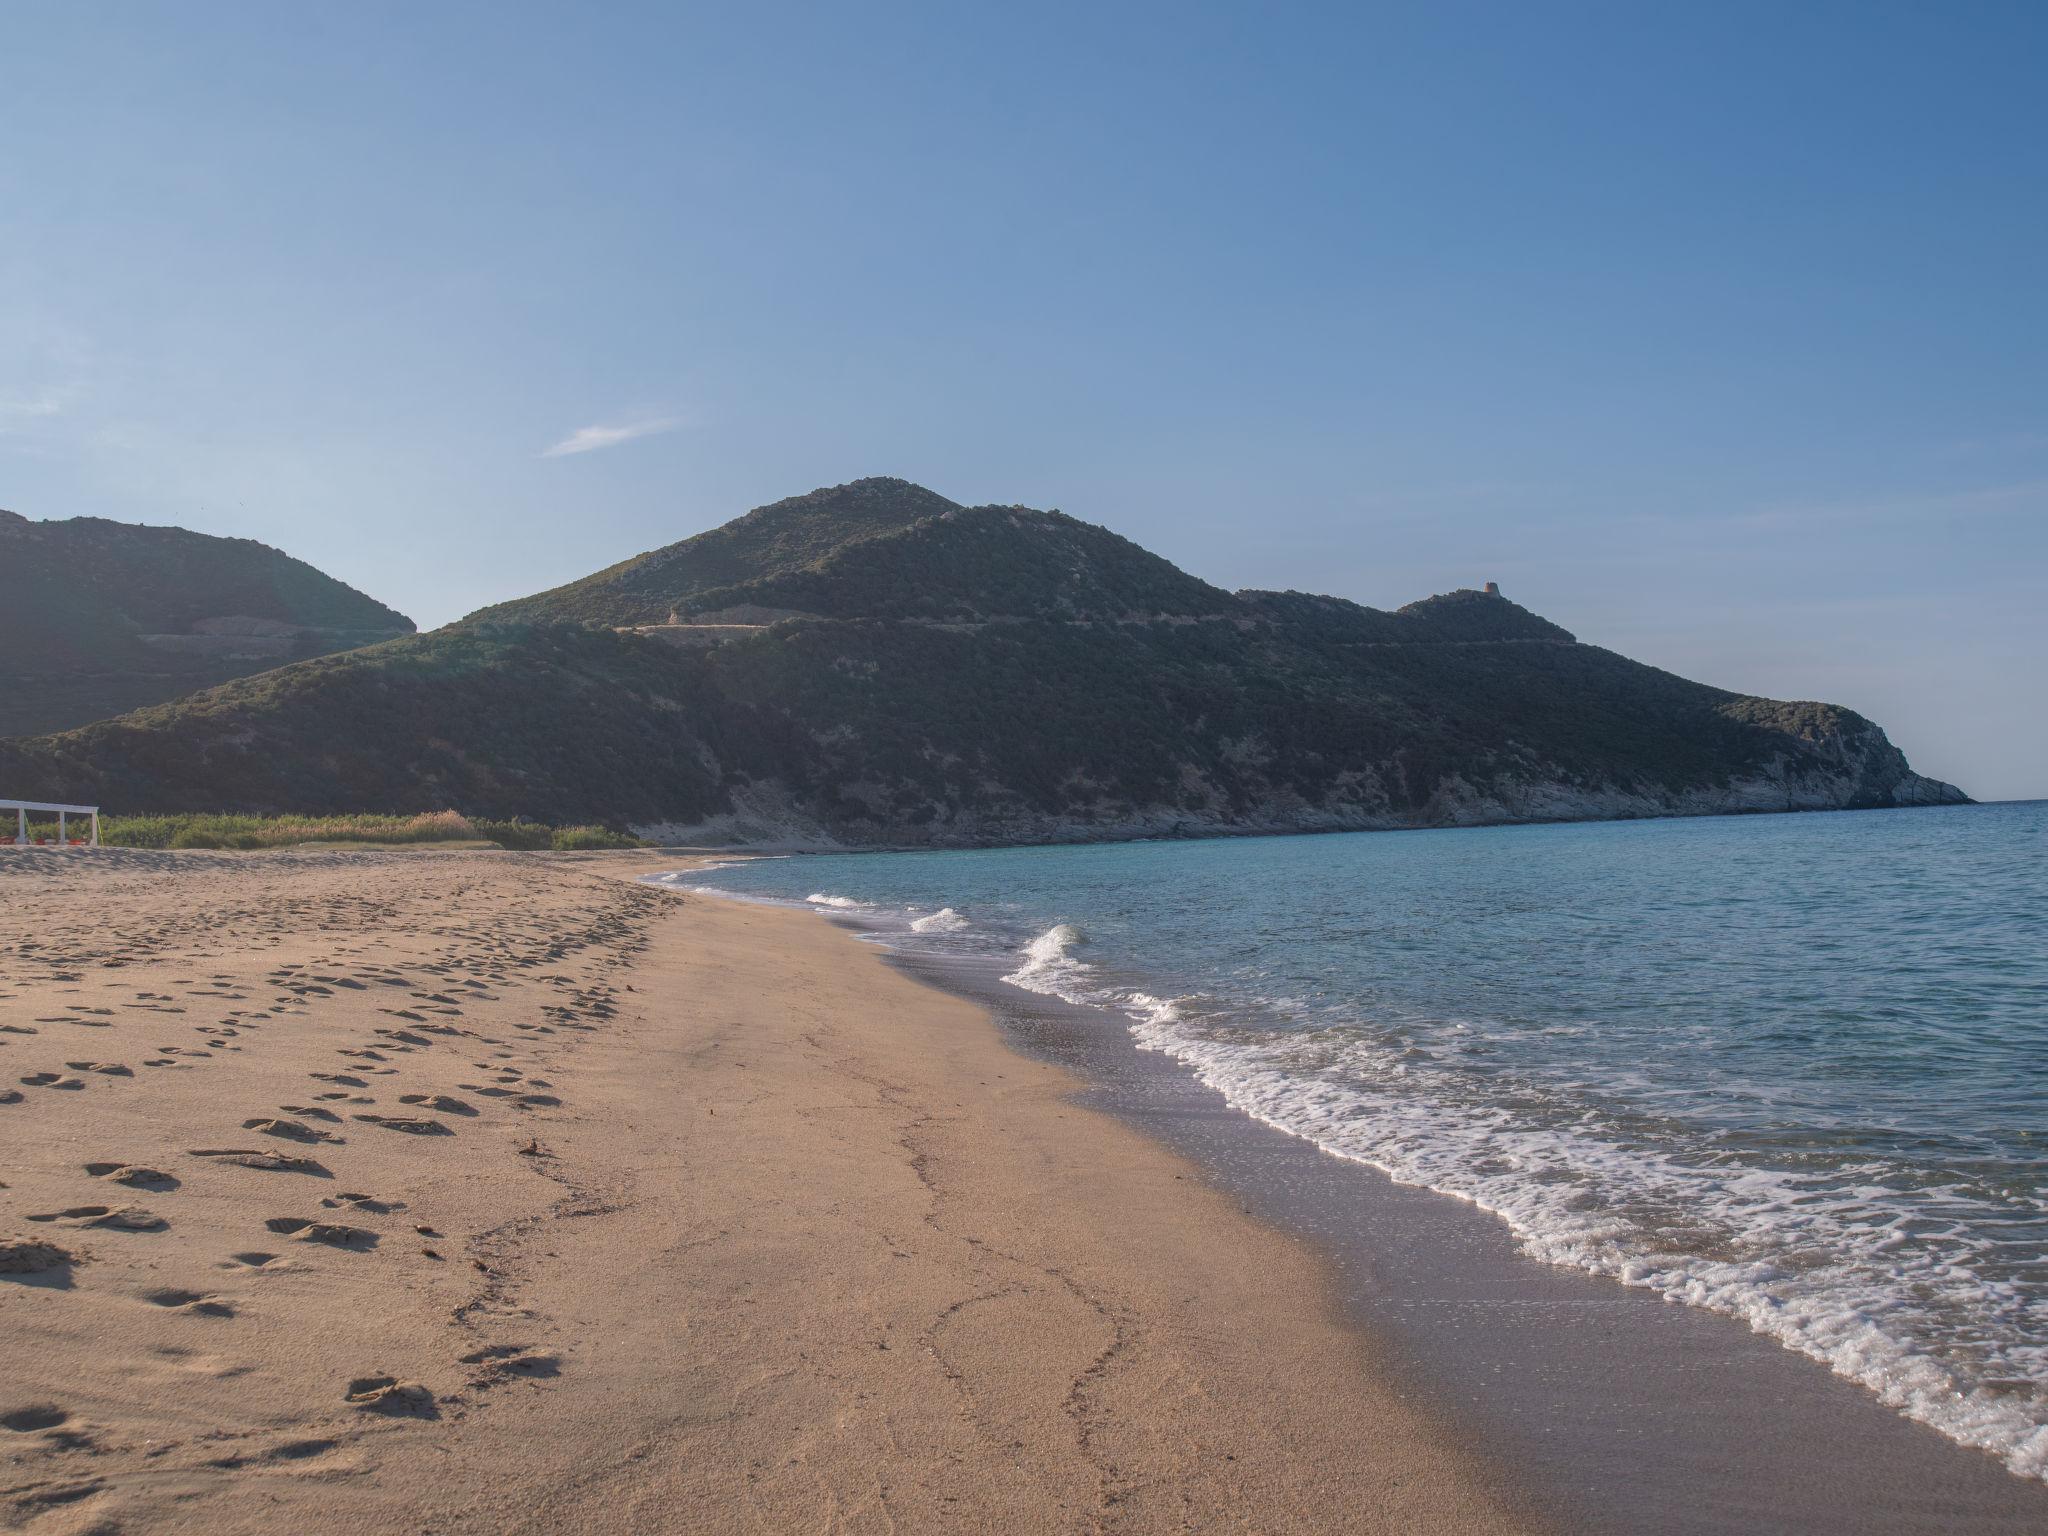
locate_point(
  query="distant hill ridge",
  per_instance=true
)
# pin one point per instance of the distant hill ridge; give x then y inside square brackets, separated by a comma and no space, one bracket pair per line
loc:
[102,617]
[893,668]
[883,548]
[888,549]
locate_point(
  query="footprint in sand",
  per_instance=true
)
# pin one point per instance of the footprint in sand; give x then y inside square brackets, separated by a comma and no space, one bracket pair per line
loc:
[255,1261]
[52,1080]
[28,1256]
[107,1068]
[311,1111]
[411,1127]
[270,1162]
[301,1230]
[387,1394]
[198,1303]
[127,1218]
[441,1101]
[404,1036]
[359,1202]
[501,1361]
[290,1130]
[34,1417]
[339,1079]
[134,1175]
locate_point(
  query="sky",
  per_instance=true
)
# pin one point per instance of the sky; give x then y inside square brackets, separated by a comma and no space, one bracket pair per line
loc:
[1716,333]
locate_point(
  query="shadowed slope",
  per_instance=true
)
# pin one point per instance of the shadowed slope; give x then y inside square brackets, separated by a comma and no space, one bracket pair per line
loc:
[102,617]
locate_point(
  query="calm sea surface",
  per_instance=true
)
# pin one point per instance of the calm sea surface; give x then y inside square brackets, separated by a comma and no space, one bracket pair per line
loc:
[1793,1068]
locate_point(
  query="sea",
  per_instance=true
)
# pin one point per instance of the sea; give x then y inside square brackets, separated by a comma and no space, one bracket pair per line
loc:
[1793,1069]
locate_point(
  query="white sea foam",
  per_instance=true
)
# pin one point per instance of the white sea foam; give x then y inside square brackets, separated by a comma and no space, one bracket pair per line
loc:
[1050,967]
[1823,1269]
[1836,1267]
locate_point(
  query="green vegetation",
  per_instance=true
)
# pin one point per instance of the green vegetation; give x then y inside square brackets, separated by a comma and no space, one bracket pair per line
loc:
[968,675]
[981,563]
[883,547]
[787,536]
[104,617]
[221,830]
[581,839]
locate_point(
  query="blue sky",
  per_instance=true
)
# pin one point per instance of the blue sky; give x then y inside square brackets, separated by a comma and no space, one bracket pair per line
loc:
[1717,333]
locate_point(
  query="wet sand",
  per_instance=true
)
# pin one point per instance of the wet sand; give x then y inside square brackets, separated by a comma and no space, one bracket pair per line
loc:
[494,1192]
[1616,1411]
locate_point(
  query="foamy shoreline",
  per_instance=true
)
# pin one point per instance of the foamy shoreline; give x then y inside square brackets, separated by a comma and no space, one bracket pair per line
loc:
[497,1192]
[1819,1453]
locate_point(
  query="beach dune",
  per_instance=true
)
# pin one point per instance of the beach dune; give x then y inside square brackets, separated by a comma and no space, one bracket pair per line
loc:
[493,1192]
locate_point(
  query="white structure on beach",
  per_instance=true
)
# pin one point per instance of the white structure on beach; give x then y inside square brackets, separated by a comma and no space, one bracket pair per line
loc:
[21,808]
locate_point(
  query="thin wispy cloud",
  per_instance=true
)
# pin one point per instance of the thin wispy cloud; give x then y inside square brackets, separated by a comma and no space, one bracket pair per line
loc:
[30,424]
[49,366]
[49,403]
[590,439]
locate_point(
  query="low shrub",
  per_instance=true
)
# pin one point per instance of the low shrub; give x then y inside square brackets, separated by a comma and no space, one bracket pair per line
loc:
[569,838]
[195,830]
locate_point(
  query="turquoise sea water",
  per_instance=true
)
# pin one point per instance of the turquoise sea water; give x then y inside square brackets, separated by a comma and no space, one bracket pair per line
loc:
[1793,1068]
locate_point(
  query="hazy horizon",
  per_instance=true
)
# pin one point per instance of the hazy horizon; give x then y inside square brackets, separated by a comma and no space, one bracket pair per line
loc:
[1716,338]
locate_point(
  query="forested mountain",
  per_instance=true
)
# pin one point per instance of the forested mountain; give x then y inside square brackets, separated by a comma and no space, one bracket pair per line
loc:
[102,617]
[872,665]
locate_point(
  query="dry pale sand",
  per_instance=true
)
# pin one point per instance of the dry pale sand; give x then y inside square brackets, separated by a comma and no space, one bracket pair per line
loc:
[493,1192]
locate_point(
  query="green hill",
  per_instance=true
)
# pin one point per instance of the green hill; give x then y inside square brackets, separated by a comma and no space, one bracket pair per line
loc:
[786,537]
[882,548]
[104,617]
[896,669]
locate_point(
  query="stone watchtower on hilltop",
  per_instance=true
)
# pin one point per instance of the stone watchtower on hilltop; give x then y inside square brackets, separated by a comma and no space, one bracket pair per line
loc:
[1493,589]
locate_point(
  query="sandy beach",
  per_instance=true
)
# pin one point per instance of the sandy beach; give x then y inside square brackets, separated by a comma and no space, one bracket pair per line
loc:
[493,1192]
